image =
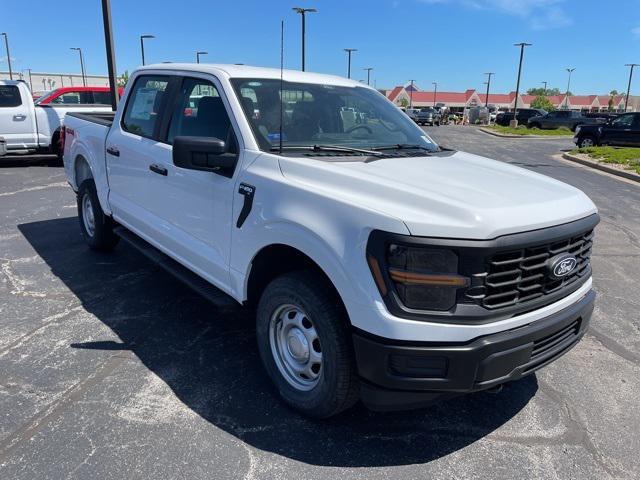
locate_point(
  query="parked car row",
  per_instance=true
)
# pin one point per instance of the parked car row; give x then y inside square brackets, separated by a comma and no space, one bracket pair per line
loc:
[623,131]
[425,116]
[563,118]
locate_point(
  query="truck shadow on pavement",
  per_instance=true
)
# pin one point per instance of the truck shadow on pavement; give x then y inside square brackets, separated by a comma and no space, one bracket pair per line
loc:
[209,360]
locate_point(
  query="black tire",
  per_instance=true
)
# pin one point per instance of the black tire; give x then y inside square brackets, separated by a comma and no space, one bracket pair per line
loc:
[534,125]
[101,236]
[337,385]
[587,141]
[55,149]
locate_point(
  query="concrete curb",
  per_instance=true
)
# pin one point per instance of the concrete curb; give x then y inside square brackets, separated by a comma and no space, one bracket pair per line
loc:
[536,137]
[601,166]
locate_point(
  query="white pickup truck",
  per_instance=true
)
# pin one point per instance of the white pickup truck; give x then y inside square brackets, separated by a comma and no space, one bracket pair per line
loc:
[380,265]
[25,126]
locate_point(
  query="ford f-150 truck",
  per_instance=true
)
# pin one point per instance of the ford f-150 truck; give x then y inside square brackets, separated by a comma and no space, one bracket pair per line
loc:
[27,127]
[380,266]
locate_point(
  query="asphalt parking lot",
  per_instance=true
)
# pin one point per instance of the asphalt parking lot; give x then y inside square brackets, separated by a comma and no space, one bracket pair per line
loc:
[110,368]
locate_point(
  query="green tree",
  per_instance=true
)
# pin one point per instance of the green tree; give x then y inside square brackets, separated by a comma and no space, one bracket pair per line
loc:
[404,103]
[613,92]
[124,78]
[540,91]
[543,102]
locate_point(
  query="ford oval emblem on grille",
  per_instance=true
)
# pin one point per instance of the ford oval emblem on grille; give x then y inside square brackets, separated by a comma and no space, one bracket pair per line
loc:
[562,265]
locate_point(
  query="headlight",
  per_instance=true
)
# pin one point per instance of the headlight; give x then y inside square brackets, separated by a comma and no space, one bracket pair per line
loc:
[422,278]
[578,129]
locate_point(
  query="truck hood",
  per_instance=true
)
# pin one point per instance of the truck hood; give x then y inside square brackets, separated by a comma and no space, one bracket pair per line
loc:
[457,195]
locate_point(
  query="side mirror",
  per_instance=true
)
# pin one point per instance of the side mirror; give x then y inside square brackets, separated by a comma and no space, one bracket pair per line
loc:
[204,153]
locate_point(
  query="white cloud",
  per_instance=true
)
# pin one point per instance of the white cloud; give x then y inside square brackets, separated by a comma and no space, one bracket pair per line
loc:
[540,14]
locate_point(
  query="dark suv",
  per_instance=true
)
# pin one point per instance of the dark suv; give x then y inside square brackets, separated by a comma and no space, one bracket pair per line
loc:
[563,118]
[428,116]
[524,114]
[623,131]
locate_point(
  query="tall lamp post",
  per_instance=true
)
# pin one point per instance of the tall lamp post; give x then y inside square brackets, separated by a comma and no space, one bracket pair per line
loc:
[349,51]
[6,44]
[514,122]
[488,82]
[303,12]
[566,95]
[368,69]
[198,55]
[626,101]
[411,94]
[30,82]
[84,77]
[435,92]
[142,37]
[545,88]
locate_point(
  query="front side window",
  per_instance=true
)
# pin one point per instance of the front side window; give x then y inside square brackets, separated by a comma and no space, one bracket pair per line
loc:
[324,115]
[145,105]
[72,98]
[102,98]
[623,121]
[200,112]
[9,96]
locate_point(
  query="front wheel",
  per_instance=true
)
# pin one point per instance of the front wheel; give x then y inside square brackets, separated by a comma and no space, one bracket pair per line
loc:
[586,142]
[96,227]
[305,344]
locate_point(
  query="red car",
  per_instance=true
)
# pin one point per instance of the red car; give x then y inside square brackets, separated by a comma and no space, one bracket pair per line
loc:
[77,95]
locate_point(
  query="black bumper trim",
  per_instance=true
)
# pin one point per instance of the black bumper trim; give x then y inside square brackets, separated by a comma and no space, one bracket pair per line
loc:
[483,363]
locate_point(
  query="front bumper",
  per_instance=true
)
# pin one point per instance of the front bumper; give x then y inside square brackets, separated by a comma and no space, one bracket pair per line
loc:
[409,375]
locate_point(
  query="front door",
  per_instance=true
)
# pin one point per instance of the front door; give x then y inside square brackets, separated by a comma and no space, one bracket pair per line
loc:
[17,123]
[619,131]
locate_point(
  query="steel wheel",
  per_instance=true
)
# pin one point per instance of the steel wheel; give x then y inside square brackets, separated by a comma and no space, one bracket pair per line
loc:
[295,347]
[88,217]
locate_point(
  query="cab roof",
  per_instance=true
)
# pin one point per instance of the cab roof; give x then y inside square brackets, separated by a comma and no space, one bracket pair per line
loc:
[246,71]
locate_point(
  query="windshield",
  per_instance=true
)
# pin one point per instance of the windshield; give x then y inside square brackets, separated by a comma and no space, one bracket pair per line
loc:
[322,115]
[44,96]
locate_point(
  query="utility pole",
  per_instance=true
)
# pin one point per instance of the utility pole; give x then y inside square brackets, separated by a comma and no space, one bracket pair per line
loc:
[198,55]
[514,122]
[368,69]
[566,95]
[142,37]
[349,51]
[435,91]
[489,74]
[30,82]
[6,44]
[111,56]
[79,50]
[411,94]
[626,101]
[545,88]
[303,12]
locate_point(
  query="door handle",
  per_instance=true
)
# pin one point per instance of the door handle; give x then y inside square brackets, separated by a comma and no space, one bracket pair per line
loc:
[155,168]
[19,117]
[113,151]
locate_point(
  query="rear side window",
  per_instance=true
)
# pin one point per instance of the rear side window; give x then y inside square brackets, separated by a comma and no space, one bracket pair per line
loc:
[145,105]
[72,98]
[102,98]
[9,96]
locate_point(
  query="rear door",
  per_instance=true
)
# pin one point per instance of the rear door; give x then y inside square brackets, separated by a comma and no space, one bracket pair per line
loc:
[619,131]
[17,122]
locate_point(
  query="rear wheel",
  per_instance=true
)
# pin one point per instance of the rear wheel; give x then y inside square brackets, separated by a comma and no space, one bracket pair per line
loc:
[96,227]
[587,141]
[305,344]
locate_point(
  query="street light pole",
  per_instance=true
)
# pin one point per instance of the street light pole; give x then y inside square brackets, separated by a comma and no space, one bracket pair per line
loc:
[489,74]
[411,94]
[435,92]
[545,88]
[349,50]
[368,69]
[514,122]
[6,44]
[303,12]
[79,50]
[566,95]
[30,82]
[626,101]
[142,37]
[198,55]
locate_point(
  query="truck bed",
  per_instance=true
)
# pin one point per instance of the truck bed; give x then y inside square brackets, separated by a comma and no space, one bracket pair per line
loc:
[101,118]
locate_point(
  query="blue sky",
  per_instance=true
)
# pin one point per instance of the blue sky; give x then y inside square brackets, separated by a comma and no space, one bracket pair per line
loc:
[449,41]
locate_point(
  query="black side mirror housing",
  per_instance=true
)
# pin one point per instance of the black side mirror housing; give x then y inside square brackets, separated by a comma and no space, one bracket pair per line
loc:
[204,153]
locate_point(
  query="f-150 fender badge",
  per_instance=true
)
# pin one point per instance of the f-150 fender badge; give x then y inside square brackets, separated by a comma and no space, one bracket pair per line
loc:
[247,191]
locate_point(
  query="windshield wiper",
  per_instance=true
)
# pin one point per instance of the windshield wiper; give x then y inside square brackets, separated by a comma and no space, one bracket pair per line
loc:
[326,148]
[404,146]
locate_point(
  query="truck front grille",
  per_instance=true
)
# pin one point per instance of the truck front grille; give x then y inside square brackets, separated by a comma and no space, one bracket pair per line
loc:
[517,276]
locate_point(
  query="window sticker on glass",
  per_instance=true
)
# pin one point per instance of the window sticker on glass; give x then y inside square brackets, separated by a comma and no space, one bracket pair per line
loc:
[142,107]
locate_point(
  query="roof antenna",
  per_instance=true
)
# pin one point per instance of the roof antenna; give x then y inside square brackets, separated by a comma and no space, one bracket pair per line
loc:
[281,80]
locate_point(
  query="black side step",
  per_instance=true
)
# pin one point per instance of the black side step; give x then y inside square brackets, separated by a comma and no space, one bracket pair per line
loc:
[197,283]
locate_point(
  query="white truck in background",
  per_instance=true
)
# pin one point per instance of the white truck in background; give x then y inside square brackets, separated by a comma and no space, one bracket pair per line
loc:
[26,127]
[381,266]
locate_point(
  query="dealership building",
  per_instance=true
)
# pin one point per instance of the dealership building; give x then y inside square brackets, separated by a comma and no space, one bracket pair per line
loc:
[457,101]
[42,81]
